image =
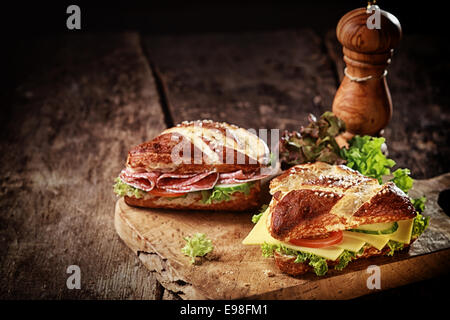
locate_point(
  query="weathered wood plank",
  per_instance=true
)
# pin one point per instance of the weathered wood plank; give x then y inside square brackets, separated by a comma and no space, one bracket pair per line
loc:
[419,130]
[254,80]
[80,104]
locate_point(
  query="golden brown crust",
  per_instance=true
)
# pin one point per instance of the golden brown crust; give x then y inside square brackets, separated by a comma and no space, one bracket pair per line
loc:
[157,154]
[318,198]
[287,265]
[193,201]
[303,206]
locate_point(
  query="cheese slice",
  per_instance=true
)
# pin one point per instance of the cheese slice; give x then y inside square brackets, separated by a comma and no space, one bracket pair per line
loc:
[261,234]
[403,235]
[352,241]
[351,244]
[404,231]
[378,241]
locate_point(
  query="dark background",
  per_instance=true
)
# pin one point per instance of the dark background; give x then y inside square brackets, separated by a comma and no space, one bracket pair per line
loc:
[208,16]
[23,20]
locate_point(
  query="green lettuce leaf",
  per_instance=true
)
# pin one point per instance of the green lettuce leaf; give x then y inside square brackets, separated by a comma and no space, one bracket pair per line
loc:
[419,225]
[122,189]
[345,257]
[319,264]
[256,217]
[394,246]
[197,246]
[402,179]
[419,204]
[365,156]
[224,194]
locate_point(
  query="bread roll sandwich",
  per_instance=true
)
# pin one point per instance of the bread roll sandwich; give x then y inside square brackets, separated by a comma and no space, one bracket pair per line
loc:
[324,215]
[201,165]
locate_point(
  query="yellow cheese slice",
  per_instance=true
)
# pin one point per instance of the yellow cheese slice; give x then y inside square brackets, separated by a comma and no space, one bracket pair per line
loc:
[403,233]
[378,241]
[260,234]
[351,244]
[352,241]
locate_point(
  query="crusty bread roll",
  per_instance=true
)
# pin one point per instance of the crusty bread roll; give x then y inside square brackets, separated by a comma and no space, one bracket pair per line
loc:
[213,146]
[317,198]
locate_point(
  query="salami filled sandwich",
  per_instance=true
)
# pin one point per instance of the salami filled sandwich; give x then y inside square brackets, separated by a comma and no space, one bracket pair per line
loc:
[202,165]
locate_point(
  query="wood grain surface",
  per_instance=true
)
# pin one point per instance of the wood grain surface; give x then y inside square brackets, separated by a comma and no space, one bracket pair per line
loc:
[236,271]
[255,80]
[64,140]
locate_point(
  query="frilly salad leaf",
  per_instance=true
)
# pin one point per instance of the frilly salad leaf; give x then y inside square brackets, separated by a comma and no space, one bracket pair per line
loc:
[256,217]
[402,179]
[122,189]
[219,194]
[345,257]
[419,225]
[197,246]
[315,142]
[365,156]
[319,264]
[419,203]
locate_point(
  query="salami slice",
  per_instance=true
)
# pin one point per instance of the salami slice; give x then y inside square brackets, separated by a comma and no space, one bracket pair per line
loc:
[241,177]
[142,180]
[187,182]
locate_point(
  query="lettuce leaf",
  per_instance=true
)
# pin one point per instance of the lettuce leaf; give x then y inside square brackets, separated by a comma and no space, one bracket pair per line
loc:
[256,217]
[419,203]
[394,246]
[315,142]
[345,257]
[122,189]
[319,264]
[365,156]
[197,246]
[402,179]
[419,225]
[224,194]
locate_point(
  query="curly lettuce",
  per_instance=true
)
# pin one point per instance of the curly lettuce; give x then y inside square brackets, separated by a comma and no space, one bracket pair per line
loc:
[256,217]
[419,204]
[315,142]
[197,246]
[122,189]
[345,257]
[419,225]
[402,179]
[319,264]
[365,156]
[394,246]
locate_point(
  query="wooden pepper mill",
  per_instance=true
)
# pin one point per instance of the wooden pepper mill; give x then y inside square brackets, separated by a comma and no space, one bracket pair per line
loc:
[363,99]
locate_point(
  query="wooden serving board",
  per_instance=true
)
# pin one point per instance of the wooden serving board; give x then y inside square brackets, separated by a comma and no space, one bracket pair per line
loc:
[235,271]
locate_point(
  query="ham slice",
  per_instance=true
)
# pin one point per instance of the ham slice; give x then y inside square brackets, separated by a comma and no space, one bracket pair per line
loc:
[142,180]
[187,182]
[241,177]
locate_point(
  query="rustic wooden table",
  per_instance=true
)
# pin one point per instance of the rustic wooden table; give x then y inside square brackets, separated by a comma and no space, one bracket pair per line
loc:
[78,102]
